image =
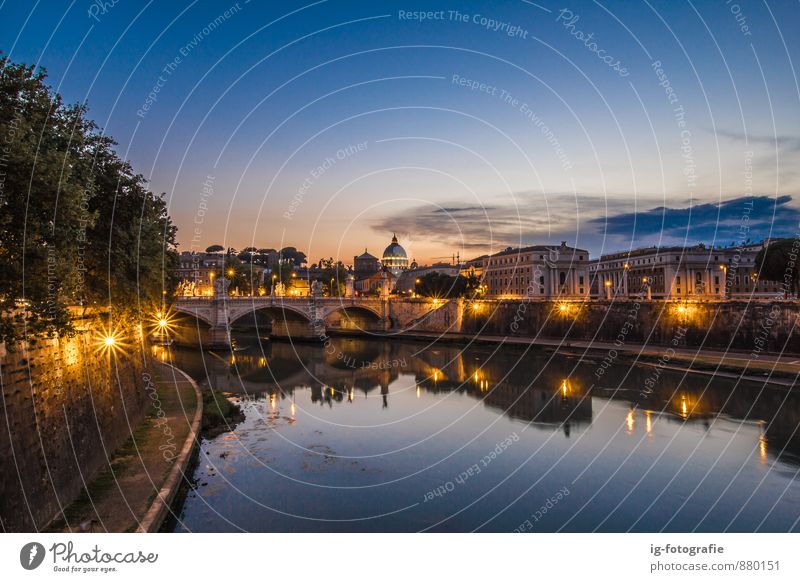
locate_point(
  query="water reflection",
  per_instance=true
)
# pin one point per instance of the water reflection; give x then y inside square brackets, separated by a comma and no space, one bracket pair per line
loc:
[365,428]
[534,387]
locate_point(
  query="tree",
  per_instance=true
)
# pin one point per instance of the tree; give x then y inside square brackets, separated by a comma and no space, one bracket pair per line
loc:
[442,286]
[280,274]
[778,262]
[215,249]
[77,225]
[293,256]
[334,276]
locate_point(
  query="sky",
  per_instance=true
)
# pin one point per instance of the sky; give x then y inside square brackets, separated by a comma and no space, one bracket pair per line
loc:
[331,125]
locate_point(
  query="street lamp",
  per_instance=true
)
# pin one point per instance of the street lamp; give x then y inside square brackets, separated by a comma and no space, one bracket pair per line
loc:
[646,281]
[625,268]
[724,269]
[607,283]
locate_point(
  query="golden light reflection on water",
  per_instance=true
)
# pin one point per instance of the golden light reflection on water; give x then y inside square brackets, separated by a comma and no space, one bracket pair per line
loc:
[688,405]
[630,420]
[648,421]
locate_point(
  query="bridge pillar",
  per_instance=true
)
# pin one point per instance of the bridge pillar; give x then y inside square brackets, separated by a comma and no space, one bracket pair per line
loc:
[218,337]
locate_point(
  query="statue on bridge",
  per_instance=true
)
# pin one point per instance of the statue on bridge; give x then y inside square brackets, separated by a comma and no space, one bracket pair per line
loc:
[386,287]
[221,287]
[316,289]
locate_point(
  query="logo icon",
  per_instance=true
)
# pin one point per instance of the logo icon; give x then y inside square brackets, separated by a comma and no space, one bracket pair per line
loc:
[31,555]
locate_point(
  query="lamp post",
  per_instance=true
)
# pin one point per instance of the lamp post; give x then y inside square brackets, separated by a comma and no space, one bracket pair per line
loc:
[625,268]
[724,269]
[646,281]
[607,283]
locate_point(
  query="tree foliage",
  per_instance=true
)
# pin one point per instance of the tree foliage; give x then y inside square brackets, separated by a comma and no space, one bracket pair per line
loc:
[333,276]
[779,262]
[77,225]
[442,286]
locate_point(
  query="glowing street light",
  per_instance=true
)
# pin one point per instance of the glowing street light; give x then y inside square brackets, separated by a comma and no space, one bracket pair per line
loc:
[608,289]
[109,341]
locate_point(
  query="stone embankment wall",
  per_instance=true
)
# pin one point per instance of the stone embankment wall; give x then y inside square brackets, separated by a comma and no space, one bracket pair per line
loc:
[66,406]
[755,327]
[419,315]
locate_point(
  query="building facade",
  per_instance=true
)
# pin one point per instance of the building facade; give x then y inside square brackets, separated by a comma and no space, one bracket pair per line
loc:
[366,264]
[696,272]
[196,272]
[534,272]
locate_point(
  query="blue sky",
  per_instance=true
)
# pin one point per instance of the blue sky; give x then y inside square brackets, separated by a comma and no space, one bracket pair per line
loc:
[328,125]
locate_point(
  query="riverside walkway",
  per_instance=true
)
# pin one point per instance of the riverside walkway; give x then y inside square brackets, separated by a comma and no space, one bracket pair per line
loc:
[134,491]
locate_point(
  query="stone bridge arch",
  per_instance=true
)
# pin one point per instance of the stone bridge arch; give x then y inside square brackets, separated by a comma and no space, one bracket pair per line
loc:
[207,316]
[355,318]
[289,321]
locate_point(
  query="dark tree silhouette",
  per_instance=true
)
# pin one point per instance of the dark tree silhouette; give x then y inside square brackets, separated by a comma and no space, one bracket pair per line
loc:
[779,262]
[441,285]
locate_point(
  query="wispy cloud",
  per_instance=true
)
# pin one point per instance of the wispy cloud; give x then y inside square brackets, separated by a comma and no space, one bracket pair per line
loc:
[599,224]
[718,223]
[786,142]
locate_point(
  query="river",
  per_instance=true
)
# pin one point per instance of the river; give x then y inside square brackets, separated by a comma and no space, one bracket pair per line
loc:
[389,435]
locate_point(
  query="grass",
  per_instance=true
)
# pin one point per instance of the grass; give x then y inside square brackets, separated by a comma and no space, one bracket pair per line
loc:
[218,410]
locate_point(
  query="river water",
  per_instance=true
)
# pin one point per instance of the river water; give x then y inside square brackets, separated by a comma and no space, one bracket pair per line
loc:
[386,435]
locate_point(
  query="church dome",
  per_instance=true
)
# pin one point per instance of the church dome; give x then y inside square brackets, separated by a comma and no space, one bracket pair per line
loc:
[394,250]
[394,257]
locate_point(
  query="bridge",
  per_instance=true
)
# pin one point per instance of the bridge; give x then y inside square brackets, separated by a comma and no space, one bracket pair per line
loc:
[311,317]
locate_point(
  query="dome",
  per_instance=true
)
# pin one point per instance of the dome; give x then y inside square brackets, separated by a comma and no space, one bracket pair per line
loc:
[395,258]
[395,250]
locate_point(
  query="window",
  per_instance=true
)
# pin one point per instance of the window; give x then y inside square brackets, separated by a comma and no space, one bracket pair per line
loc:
[677,280]
[580,281]
[562,277]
